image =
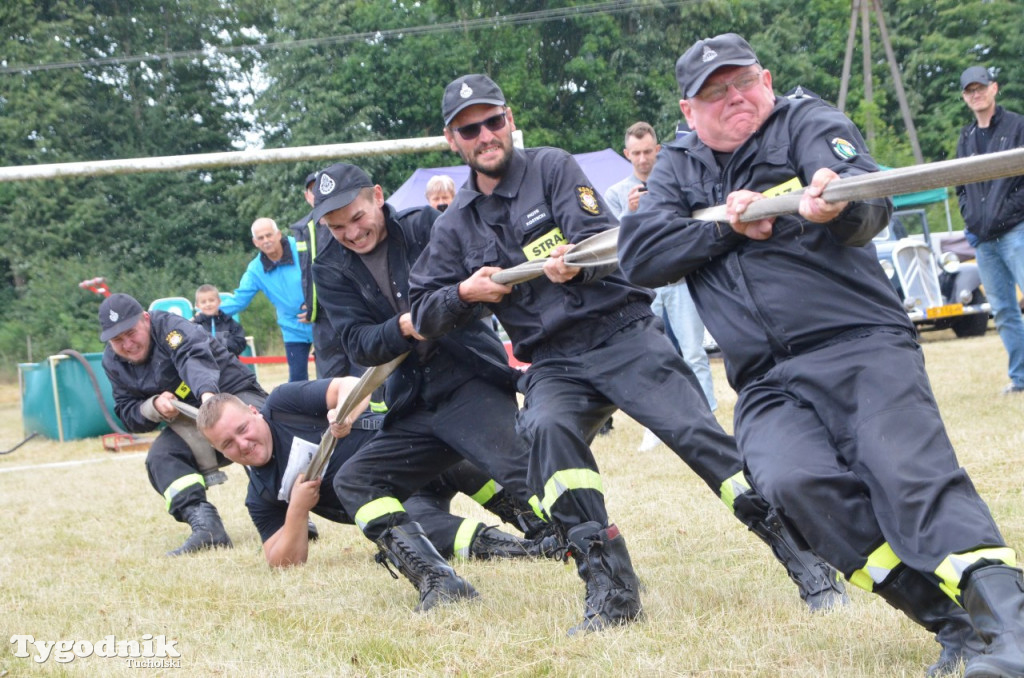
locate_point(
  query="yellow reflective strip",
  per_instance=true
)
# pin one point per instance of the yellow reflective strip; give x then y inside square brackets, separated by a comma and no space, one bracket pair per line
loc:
[880,564]
[542,246]
[377,508]
[311,317]
[951,570]
[182,391]
[486,493]
[534,502]
[731,488]
[568,480]
[378,407]
[783,188]
[301,246]
[464,537]
[180,484]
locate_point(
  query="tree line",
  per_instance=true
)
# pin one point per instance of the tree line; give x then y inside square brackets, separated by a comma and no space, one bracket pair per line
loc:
[75,85]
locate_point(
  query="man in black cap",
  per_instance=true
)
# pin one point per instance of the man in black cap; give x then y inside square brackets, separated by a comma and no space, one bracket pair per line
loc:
[154,359]
[822,354]
[993,213]
[311,239]
[592,339]
[449,400]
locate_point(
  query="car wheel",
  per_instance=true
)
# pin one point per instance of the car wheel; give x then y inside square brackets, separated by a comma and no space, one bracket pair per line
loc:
[972,325]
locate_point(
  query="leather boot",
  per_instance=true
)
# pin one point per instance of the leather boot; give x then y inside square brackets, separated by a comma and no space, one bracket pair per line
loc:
[923,601]
[311,532]
[408,549]
[515,511]
[613,593]
[994,599]
[490,542]
[818,582]
[207,529]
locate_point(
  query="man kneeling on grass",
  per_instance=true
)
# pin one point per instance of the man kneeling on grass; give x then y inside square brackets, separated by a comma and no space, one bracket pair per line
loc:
[262,440]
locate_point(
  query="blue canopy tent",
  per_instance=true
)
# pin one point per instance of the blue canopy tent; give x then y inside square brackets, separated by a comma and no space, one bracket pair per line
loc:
[603,168]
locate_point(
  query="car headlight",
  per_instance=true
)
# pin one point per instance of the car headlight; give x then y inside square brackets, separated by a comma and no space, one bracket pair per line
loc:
[950,263]
[888,268]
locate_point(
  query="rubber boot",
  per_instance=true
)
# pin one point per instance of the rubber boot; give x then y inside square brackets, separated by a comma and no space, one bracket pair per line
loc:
[207,529]
[819,583]
[994,599]
[408,549]
[923,601]
[613,592]
[490,542]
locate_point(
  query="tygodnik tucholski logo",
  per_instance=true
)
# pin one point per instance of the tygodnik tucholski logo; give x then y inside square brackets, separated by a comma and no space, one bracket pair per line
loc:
[148,652]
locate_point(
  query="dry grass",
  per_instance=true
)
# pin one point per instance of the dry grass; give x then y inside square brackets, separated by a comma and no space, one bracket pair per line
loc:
[82,558]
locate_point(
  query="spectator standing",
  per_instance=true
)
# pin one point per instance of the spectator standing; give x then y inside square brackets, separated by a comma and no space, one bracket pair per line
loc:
[993,213]
[275,271]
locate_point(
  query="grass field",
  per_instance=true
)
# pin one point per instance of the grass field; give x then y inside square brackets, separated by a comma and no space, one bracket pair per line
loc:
[83,546]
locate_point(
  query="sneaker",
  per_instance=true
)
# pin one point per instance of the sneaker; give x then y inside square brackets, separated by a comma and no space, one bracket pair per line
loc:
[1013,388]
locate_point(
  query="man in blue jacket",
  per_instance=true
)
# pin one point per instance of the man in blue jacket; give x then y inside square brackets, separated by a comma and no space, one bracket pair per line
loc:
[276,273]
[993,213]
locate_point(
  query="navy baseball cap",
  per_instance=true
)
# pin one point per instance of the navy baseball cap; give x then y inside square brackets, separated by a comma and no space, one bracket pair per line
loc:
[707,56]
[467,91]
[336,187]
[975,74]
[310,178]
[118,313]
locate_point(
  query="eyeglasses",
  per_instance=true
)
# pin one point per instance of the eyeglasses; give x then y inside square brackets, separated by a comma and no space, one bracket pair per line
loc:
[974,90]
[472,130]
[717,92]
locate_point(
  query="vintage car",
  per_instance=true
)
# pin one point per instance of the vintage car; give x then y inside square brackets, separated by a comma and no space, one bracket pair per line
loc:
[938,290]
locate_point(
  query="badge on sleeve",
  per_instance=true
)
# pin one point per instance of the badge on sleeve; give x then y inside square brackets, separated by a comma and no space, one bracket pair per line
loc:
[843,149]
[587,199]
[174,339]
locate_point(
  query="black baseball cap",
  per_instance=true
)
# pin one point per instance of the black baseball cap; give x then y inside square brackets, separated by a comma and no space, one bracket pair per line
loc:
[118,313]
[707,56]
[336,187]
[468,91]
[975,74]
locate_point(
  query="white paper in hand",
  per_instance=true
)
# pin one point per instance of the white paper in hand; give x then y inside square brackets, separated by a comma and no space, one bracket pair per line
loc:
[298,461]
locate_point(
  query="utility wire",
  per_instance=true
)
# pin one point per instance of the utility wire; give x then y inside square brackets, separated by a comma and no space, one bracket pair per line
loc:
[524,18]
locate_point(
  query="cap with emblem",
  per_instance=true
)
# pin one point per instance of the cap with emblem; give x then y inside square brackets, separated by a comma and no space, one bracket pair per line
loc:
[707,56]
[467,91]
[336,187]
[973,74]
[118,314]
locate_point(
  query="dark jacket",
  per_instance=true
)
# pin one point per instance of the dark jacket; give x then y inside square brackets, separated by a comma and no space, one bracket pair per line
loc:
[991,208]
[310,241]
[543,200]
[369,329]
[184,359]
[224,328]
[766,300]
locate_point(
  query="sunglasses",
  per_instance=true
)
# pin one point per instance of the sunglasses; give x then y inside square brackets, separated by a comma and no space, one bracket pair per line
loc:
[472,130]
[717,92]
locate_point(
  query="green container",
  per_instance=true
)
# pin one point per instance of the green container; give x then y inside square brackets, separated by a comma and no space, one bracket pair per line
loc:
[59,401]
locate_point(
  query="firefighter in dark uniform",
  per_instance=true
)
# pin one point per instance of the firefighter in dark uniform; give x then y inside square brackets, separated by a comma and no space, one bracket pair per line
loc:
[310,240]
[591,337]
[448,400]
[262,439]
[153,358]
[822,354]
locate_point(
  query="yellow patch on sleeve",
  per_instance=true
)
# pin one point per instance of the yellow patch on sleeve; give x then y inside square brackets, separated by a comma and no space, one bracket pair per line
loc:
[542,246]
[182,391]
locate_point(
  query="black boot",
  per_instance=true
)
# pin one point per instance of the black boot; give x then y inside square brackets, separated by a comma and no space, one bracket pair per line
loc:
[515,511]
[490,542]
[818,582]
[923,601]
[613,593]
[312,534]
[207,529]
[408,549]
[994,598]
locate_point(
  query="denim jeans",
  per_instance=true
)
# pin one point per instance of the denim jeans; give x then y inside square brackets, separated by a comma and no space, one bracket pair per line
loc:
[673,304]
[1001,266]
[297,354]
